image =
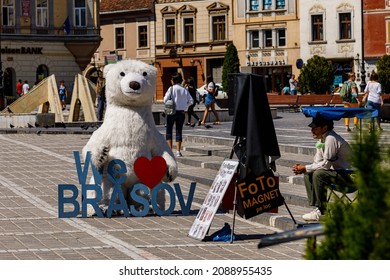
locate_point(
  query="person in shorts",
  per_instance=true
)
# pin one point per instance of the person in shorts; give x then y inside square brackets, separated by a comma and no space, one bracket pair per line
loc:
[63,93]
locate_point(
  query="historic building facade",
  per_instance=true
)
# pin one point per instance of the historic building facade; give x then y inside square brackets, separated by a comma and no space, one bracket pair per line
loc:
[44,37]
[191,38]
[173,35]
[332,29]
[267,37]
[128,31]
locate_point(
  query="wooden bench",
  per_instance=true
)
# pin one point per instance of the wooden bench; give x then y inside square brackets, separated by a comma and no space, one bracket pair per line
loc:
[385,109]
[314,99]
[336,99]
[287,100]
[385,96]
[296,101]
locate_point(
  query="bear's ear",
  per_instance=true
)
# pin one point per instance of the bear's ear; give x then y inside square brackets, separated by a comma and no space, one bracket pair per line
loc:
[106,69]
[151,71]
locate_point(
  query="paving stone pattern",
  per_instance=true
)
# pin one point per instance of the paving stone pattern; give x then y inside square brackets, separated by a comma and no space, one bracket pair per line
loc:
[32,165]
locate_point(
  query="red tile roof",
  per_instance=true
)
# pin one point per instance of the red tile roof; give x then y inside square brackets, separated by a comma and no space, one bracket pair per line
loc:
[125,5]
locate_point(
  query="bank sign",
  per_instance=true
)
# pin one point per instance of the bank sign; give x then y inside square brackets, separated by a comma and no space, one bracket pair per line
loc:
[148,171]
[22,50]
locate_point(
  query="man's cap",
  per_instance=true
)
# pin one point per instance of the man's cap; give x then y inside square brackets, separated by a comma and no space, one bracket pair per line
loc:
[319,122]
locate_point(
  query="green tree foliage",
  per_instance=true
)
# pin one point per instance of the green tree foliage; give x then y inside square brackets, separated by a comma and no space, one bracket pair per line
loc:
[231,64]
[383,69]
[360,231]
[316,76]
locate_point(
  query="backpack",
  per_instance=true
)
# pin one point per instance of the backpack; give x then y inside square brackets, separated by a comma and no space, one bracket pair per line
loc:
[346,92]
[169,105]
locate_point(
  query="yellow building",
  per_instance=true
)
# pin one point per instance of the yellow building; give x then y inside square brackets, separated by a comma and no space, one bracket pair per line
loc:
[267,38]
[127,29]
[44,37]
[191,38]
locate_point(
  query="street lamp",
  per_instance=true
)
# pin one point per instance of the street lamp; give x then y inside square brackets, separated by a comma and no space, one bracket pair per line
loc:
[363,71]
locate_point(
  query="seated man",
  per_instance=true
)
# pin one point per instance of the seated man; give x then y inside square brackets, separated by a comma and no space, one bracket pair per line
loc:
[332,154]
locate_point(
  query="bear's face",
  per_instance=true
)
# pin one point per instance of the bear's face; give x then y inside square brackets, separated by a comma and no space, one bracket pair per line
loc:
[130,83]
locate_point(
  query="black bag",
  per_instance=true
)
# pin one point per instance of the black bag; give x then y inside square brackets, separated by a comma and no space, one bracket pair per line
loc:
[216,89]
[170,106]
[102,92]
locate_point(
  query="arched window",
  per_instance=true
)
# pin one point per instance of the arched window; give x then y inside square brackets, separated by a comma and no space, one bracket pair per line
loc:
[42,72]
[9,82]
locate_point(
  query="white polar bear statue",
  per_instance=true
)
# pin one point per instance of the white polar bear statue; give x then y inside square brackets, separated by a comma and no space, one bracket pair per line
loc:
[128,131]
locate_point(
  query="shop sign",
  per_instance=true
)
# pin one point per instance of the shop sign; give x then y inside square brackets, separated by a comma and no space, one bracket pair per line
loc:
[22,50]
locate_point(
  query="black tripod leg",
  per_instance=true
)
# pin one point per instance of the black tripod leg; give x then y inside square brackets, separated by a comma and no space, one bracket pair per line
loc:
[288,209]
[234,213]
[232,152]
[235,195]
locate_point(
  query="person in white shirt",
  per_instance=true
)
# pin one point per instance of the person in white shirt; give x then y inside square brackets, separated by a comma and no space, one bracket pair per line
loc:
[293,85]
[25,87]
[182,99]
[374,99]
[329,166]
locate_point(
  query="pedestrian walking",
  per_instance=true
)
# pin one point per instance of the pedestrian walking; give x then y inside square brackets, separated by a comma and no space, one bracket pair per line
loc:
[19,88]
[373,91]
[25,87]
[101,95]
[182,100]
[190,86]
[349,94]
[212,91]
[63,93]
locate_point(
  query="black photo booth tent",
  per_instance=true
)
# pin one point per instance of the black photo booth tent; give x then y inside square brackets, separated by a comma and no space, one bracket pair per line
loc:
[256,144]
[253,121]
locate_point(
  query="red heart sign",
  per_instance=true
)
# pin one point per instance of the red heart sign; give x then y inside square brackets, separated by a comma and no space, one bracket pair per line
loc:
[150,172]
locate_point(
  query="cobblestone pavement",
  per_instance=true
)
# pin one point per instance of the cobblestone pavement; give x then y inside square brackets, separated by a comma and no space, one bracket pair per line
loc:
[32,167]
[34,164]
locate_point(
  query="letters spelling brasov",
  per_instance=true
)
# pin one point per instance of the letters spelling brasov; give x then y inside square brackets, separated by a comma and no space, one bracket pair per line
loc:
[115,169]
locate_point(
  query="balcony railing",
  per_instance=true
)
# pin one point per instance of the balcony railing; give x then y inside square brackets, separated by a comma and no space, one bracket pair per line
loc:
[53,31]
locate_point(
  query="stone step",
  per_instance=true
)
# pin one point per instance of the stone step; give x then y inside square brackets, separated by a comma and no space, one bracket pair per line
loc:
[208,140]
[294,195]
[206,176]
[202,159]
[211,157]
[297,149]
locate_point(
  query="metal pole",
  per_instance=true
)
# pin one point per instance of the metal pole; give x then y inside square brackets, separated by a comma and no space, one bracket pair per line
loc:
[363,72]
